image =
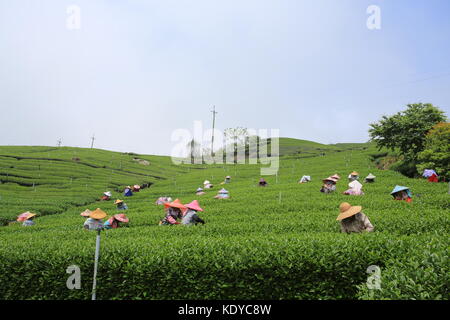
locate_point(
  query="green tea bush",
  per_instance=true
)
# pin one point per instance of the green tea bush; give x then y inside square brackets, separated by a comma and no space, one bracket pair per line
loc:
[278,242]
[422,276]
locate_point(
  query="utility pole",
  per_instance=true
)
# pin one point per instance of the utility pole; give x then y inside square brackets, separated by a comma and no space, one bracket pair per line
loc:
[212,138]
[92,138]
[59,142]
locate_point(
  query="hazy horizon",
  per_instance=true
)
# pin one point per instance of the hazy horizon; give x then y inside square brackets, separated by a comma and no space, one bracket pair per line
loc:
[123,151]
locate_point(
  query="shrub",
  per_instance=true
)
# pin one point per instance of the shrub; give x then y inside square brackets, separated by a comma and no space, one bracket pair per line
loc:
[407,168]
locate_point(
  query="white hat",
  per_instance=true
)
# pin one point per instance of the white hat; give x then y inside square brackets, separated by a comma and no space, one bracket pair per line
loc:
[370,176]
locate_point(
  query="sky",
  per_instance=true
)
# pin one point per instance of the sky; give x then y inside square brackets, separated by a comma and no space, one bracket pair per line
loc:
[132,72]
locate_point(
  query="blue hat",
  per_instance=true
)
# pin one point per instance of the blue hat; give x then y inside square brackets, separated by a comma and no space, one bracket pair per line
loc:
[428,173]
[401,188]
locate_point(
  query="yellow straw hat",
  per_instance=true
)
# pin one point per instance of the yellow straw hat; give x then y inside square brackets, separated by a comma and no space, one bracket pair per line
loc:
[98,214]
[118,201]
[346,210]
[30,215]
[354,173]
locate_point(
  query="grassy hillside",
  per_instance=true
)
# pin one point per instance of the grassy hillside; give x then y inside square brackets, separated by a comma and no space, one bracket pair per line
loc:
[279,242]
[49,180]
[304,149]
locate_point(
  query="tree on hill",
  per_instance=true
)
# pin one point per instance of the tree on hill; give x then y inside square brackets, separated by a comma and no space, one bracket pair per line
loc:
[195,151]
[252,146]
[437,151]
[406,131]
[238,137]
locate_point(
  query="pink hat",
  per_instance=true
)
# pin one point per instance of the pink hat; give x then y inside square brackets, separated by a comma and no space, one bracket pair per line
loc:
[22,217]
[121,217]
[86,213]
[194,206]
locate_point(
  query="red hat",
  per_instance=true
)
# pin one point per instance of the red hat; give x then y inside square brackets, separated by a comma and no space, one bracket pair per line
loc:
[194,206]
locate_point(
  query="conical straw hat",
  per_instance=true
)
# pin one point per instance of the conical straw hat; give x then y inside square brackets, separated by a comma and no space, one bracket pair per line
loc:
[355,185]
[401,188]
[354,173]
[398,189]
[30,215]
[175,204]
[23,216]
[346,210]
[121,217]
[370,176]
[118,201]
[194,205]
[86,213]
[98,214]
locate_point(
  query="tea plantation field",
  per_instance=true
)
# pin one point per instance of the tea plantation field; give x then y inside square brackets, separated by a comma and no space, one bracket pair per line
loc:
[278,242]
[49,180]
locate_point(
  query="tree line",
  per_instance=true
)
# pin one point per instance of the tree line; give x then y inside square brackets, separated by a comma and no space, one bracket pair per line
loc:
[419,135]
